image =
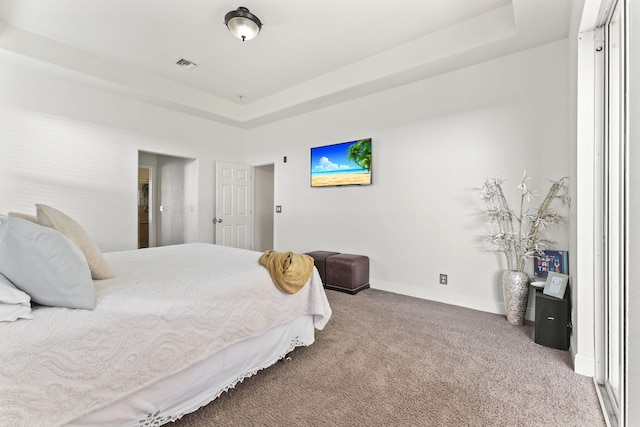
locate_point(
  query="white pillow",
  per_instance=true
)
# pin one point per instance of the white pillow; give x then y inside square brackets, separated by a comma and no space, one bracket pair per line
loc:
[50,217]
[13,312]
[46,265]
[14,304]
[9,294]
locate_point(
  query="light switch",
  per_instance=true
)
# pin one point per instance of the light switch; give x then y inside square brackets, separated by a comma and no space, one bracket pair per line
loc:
[278,209]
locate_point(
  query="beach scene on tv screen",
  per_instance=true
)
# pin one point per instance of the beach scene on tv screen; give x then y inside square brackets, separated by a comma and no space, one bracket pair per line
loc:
[348,163]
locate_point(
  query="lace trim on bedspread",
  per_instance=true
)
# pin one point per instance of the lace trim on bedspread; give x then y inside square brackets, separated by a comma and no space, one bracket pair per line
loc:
[156,419]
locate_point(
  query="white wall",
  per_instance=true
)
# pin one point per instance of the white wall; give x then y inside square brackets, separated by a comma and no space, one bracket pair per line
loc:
[76,148]
[434,142]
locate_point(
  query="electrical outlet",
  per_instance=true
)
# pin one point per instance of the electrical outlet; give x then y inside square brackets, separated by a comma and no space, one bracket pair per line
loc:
[443,279]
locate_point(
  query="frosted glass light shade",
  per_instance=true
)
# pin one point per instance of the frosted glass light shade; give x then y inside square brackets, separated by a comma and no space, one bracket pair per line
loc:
[243,24]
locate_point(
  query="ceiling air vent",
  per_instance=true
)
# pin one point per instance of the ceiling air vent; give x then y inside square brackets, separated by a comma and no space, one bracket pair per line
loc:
[186,64]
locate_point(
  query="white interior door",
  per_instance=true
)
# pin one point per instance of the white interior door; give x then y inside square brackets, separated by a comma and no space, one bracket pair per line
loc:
[234,197]
[171,207]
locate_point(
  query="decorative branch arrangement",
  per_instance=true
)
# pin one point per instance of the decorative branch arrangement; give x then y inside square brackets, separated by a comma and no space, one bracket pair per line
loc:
[518,234]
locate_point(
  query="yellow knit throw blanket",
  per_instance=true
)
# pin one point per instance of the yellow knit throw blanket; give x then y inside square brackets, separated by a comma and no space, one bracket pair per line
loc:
[288,271]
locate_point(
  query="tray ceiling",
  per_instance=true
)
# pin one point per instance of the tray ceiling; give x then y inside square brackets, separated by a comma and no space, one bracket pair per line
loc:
[309,54]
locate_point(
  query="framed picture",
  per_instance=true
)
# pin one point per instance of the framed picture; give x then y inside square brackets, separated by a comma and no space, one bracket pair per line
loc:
[550,261]
[556,285]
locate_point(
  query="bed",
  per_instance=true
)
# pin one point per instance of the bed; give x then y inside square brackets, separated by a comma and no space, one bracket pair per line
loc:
[173,329]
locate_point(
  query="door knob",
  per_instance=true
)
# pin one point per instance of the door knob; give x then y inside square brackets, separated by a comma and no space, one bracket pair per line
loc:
[216,220]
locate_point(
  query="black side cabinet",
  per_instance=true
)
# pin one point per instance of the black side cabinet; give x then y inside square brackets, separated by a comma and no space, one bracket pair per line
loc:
[553,320]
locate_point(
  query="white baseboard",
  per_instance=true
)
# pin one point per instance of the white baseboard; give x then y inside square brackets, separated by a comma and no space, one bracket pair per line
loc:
[447,298]
[584,365]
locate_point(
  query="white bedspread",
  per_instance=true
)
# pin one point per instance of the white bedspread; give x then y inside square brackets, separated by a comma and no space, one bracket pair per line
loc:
[167,309]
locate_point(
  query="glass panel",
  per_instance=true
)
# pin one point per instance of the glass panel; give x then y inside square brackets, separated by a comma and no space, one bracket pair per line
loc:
[614,214]
[616,211]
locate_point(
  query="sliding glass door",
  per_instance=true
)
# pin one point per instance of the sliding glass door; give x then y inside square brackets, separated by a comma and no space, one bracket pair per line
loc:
[611,361]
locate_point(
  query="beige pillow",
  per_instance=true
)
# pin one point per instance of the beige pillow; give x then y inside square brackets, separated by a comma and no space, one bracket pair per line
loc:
[57,220]
[28,217]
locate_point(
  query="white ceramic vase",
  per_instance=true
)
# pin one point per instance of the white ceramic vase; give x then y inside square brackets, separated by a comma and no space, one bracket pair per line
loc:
[515,287]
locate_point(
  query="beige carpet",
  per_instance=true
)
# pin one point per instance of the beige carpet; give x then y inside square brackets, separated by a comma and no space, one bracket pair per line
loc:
[390,360]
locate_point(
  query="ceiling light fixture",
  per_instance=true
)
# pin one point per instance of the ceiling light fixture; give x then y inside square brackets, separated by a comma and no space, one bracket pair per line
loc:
[242,23]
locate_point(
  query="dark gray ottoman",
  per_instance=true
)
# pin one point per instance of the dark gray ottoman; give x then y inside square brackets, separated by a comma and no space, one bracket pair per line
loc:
[319,260]
[347,273]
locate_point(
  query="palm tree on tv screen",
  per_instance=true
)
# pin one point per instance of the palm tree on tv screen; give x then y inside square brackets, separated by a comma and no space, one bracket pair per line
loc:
[360,153]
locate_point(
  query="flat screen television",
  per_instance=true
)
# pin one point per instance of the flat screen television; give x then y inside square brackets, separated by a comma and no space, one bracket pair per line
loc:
[551,261]
[347,163]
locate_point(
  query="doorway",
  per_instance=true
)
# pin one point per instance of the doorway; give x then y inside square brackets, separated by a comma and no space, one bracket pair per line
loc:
[144,201]
[172,202]
[264,207]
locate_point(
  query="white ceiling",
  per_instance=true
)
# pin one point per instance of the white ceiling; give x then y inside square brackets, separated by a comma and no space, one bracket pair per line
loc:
[309,53]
